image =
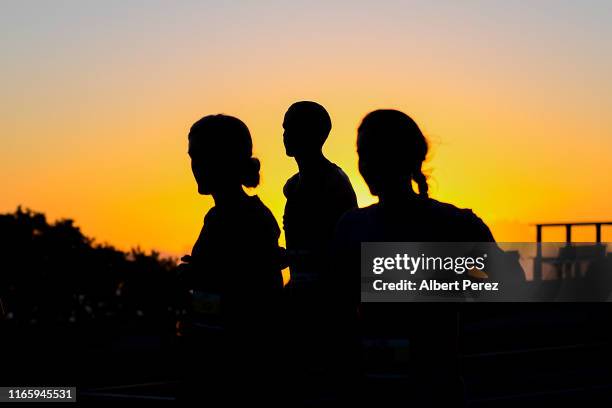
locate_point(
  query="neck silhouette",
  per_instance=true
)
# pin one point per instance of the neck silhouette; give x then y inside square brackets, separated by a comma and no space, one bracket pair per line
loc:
[309,162]
[229,196]
[397,194]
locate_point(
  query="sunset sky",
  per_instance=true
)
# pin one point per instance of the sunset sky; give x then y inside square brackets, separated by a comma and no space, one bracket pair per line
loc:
[97,99]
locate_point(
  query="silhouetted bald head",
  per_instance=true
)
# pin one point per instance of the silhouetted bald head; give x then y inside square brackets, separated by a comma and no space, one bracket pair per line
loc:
[307,125]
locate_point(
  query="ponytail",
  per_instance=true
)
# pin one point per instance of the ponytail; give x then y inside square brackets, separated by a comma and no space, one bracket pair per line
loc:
[250,176]
[421,181]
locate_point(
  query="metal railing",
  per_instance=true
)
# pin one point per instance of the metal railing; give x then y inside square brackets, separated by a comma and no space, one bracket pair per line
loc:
[539,259]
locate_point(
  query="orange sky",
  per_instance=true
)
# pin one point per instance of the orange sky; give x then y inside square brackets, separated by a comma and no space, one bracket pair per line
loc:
[97,102]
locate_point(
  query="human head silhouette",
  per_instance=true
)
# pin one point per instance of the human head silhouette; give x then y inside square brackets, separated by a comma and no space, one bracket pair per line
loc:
[307,125]
[221,149]
[391,150]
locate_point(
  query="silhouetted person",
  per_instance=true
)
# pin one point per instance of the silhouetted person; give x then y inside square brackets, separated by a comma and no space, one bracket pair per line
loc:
[317,196]
[391,150]
[234,265]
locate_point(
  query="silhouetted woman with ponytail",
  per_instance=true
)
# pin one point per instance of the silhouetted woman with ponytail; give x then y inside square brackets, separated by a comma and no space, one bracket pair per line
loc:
[234,267]
[391,150]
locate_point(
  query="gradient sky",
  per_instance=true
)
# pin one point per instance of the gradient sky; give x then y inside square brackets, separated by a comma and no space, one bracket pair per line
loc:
[97,99]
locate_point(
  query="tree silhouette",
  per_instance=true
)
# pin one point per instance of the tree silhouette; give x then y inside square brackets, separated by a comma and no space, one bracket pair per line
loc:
[52,274]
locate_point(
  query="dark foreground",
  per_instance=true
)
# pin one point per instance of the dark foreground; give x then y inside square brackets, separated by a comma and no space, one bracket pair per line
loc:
[511,355]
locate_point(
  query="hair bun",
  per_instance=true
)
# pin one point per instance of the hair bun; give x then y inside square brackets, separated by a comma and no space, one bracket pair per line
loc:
[251,173]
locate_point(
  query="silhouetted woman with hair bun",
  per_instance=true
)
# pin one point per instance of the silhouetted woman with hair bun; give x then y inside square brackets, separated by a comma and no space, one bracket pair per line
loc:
[234,267]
